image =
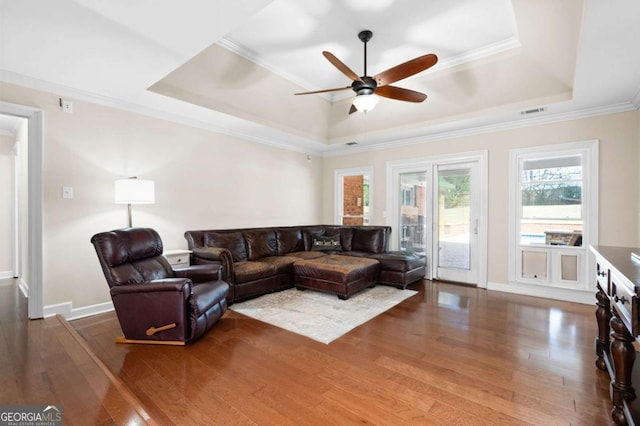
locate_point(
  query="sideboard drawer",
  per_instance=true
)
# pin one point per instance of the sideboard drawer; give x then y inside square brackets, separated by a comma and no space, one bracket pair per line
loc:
[626,303]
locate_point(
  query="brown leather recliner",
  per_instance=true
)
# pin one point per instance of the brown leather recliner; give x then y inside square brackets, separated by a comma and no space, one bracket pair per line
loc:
[155,303]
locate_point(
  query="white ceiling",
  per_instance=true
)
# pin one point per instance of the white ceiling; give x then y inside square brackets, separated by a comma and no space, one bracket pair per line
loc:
[497,57]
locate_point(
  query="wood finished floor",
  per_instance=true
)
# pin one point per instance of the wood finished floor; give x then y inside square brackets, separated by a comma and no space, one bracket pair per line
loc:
[450,355]
[41,363]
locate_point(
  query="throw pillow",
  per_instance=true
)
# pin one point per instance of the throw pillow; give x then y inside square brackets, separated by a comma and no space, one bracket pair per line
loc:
[321,243]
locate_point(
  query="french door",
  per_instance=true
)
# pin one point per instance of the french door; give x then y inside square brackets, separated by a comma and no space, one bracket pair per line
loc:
[456,222]
[438,208]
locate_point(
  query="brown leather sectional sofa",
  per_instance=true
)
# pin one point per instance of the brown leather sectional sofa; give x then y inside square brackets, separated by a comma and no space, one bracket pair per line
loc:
[256,261]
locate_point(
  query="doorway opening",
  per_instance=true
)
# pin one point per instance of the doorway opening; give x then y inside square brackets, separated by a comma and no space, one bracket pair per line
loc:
[31,281]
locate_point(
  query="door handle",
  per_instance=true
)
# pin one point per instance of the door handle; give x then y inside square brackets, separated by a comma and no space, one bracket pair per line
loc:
[475,227]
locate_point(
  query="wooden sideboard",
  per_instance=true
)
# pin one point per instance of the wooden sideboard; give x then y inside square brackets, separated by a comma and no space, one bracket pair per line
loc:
[618,316]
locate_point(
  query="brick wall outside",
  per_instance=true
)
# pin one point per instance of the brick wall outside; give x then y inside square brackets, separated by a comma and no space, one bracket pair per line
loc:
[352,191]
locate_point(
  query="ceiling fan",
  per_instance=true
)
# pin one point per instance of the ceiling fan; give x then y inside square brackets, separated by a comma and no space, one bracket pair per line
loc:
[366,86]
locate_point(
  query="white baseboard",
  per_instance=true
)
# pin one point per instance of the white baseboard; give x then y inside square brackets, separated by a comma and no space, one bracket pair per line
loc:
[24,287]
[6,274]
[586,297]
[66,310]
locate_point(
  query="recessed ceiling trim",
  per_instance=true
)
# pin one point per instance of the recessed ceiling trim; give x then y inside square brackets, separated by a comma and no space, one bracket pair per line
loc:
[454,61]
[443,63]
[224,124]
[252,56]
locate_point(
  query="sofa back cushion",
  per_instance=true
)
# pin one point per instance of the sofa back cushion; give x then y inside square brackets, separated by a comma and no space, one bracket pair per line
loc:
[261,243]
[289,240]
[346,235]
[368,240]
[232,241]
[308,232]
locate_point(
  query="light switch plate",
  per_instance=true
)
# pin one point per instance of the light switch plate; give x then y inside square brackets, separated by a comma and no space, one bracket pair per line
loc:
[67,192]
[66,106]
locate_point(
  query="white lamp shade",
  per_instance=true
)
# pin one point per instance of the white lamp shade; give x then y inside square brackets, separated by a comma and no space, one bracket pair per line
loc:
[134,191]
[366,103]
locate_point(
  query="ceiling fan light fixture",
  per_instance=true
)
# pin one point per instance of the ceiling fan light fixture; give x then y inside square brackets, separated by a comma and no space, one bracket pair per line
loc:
[366,103]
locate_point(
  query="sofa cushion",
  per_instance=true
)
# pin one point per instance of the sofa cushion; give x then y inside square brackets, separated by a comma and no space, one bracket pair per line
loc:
[251,271]
[282,264]
[307,254]
[232,241]
[326,243]
[289,240]
[346,235]
[261,243]
[368,240]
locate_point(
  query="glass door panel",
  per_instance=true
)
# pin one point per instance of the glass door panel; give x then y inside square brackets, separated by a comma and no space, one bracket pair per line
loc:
[457,222]
[413,212]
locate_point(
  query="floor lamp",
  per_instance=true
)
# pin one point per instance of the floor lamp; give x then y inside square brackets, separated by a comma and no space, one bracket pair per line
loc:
[134,191]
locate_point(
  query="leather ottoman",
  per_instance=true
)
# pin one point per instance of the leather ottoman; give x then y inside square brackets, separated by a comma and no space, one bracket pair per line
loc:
[340,275]
[401,268]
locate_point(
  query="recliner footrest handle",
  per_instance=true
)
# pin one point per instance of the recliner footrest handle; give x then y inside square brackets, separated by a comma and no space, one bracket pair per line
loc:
[153,330]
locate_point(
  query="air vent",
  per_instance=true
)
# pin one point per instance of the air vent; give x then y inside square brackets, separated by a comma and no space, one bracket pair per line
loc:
[532,111]
[351,143]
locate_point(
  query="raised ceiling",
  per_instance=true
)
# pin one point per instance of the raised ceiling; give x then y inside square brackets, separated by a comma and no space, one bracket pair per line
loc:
[234,66]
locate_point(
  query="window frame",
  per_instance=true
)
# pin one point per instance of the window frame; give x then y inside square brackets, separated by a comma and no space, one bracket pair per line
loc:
[588,152]
[338,179]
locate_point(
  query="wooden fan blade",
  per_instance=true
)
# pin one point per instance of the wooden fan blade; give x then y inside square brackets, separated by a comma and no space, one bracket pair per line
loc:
[406,69]
[323,91]
[341,66]
[400,94]
[352,109]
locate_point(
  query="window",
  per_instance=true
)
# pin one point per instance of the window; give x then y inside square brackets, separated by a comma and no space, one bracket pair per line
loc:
[553,214]
[551,201]
[408,197]
[353,203]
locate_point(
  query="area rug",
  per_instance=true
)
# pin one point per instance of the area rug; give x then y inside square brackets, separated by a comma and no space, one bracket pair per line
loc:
[321,316]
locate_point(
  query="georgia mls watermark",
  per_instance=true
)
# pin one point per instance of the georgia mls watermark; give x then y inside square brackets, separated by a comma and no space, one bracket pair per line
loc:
[30,415]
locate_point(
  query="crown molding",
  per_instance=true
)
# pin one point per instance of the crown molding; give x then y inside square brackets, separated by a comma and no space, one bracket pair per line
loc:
[216,122]
[246,130]
[429,135]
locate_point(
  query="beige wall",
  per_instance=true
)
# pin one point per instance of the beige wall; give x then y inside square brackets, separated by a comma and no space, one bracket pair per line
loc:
[203,180]
[619,180]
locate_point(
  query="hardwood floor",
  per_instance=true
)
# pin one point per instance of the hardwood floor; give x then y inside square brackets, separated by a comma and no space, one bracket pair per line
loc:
[450,355]
[41,363]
